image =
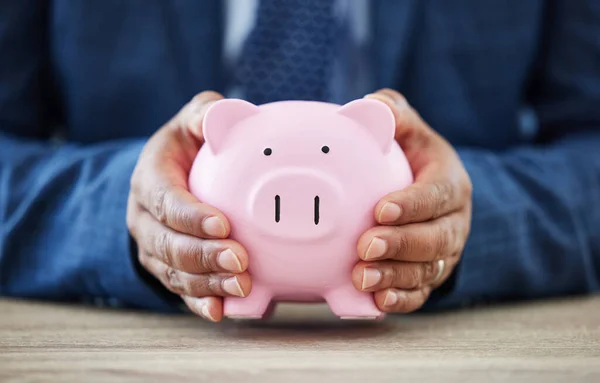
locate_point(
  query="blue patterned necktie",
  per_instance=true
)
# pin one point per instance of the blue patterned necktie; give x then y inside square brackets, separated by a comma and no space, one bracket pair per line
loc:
[289,53]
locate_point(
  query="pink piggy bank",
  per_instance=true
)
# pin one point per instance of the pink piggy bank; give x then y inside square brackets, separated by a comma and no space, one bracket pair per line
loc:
[299,181]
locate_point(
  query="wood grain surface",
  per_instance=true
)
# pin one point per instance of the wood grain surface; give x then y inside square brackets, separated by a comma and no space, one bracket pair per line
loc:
[556,341]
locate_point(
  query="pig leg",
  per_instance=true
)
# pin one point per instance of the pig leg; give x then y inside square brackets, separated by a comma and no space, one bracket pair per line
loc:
[348,303]
[254,306]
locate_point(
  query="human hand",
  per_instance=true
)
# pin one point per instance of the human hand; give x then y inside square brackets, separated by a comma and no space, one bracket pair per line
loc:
[182,241]
[422,229]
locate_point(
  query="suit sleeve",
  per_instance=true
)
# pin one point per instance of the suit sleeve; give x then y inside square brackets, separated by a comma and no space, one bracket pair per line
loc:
[63,233]
[536,214]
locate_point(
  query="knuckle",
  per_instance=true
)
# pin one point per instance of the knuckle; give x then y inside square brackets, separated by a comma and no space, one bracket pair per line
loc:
[205,285]
[134,188]
[404,303]
[427,245]
[203,258]
[137,192]
[173,280]
[131,222]
[456,239]
[413,277]
[163,247]
[452,231]
[134,184]
[441,244]
[428,270]
[467,188]
[160,208]
[419,203]
[441,195]
[445,231]
[191,256]
[391,276]
[466,228]
[143,259]
[200,286]
[403,246]
[183,218]
[413,301]
[215,285]
[193,119]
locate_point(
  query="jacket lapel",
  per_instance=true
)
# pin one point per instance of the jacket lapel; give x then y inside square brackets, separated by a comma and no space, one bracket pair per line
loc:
[393,23]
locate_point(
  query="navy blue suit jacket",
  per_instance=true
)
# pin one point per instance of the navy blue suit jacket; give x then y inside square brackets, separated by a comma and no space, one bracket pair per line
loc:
[514,85]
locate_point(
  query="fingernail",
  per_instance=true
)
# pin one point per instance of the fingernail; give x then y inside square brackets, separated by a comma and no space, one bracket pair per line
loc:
[232,286]
[214,226]
[201,308]
[390,299]
[380,97]
[390,212]
[371,277]
[376,248]
[204,310]
[228,260]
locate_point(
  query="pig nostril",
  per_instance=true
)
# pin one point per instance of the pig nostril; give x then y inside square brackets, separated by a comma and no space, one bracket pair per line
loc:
[317,201]
[277,208]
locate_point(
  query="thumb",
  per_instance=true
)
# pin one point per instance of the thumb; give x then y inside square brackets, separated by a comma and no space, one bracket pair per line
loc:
[191,116]
[418,140]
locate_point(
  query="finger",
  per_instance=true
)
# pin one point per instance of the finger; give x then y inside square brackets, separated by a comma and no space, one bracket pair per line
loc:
[412,133]
[415,242]
[183,136]
[401,301]
[159,185]
[396,98]
[428,153]
[407,125]
[421,202]
[191,116]
[197,285]
[210,308]
[174,206]
[160,180]
[187,253]
[441,183]
[374,276]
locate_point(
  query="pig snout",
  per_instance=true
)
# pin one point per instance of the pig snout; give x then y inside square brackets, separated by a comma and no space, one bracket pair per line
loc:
[296,204]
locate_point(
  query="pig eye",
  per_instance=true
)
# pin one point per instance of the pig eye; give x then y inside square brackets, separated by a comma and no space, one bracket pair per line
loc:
[267,151]
[325,149]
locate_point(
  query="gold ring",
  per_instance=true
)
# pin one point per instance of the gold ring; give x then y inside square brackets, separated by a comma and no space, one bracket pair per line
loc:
[441,266]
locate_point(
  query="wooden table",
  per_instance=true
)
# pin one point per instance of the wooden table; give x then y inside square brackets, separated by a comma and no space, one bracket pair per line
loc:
[556,341]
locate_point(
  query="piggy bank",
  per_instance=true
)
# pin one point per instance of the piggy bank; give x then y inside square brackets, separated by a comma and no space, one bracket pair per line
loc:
[299,181]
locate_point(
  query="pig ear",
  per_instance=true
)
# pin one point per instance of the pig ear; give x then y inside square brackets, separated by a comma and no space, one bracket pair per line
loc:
[376,117]
[221,117]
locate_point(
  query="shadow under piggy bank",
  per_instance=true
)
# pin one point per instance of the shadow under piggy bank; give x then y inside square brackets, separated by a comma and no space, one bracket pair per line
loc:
[304,322]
